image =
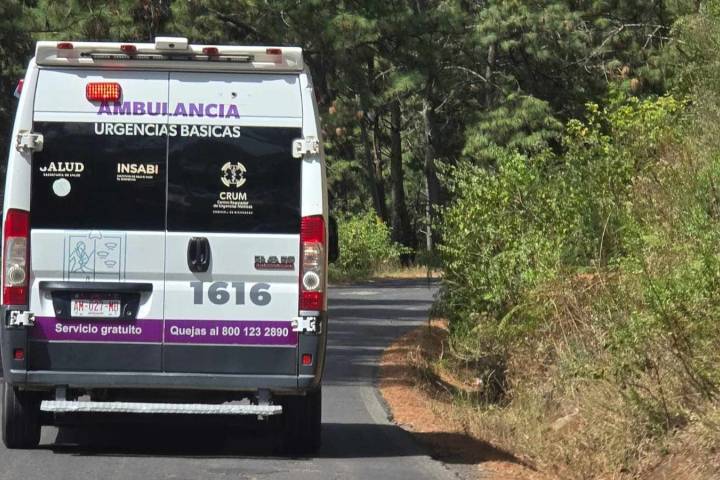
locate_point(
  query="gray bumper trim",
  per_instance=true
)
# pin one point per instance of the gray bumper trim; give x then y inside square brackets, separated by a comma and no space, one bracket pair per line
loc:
[189,381]
[169,408]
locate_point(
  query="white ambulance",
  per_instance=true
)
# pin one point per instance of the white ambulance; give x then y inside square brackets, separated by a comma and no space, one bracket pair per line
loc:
[165,237]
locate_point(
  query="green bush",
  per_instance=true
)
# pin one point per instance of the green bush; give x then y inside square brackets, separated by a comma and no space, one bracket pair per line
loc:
[592,277]
[365,248]
[517,225]
[500,239]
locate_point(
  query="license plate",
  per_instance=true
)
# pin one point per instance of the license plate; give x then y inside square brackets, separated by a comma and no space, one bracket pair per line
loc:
[95,307]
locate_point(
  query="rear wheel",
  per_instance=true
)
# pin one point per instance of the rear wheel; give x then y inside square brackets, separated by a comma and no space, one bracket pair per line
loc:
[302,420]
[20,418]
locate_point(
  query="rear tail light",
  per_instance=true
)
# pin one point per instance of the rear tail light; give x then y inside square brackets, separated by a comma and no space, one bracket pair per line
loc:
[211,51]
[103,91]
[64,46]
[16,240]
[312,271]
[128,48]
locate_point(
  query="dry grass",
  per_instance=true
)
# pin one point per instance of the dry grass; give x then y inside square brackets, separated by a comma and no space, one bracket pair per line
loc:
[413,272]
[423,404]
[391,272]
[554,419]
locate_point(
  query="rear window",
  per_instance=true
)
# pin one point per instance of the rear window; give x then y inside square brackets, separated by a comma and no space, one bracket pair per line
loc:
[198,179]
[89,181]
[247,182]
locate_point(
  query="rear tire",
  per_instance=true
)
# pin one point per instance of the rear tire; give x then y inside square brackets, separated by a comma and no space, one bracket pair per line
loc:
[20,418]
[302,423]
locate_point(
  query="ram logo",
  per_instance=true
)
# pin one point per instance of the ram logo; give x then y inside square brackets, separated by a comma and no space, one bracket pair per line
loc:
[274,263]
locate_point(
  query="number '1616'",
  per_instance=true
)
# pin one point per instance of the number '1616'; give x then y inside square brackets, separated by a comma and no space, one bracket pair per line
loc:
[219,293]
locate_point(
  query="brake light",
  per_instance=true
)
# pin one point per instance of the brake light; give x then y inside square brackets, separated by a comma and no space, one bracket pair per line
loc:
[16,240]
[312,271]
[18,89]
[103,91]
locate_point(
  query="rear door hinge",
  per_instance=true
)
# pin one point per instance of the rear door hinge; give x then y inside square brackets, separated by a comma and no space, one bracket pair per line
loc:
[27,142]
[305,146]
[305,325]
[19,318]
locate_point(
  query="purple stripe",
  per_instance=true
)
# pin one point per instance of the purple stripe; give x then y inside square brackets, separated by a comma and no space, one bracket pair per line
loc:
[199,332]
[230,332]
[51,328]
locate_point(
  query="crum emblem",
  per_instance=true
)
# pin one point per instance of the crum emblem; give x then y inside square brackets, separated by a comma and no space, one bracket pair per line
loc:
[233,174]
[274,263]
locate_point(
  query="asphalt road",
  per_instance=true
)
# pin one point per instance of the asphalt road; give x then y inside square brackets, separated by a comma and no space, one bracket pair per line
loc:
[358,440]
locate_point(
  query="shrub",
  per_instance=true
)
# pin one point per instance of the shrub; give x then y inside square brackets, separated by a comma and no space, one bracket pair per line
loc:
[591,271]
[500,240]
[365,248]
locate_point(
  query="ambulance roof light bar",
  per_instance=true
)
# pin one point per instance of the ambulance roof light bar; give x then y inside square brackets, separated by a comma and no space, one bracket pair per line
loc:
[168,53]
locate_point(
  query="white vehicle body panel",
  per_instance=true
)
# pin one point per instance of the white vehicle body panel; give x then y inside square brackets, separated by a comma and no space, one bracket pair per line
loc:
[17,178]
[263,100]
[141,254]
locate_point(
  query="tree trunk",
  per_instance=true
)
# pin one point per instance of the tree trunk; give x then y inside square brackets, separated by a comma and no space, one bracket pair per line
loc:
[401,232]
[488,76]
[378,166]
[432,184]
[371,150]
[372,182]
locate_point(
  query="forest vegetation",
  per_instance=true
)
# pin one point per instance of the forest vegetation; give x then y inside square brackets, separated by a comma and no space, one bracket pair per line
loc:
[557,160]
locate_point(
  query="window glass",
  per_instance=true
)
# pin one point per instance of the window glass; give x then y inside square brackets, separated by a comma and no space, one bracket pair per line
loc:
[234,179]
[88,179]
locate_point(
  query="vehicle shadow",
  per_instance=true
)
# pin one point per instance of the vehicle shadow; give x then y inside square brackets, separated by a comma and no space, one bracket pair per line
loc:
[340,441]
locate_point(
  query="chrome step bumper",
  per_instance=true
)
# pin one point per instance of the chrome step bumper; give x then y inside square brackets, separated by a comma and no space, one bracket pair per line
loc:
[65,406]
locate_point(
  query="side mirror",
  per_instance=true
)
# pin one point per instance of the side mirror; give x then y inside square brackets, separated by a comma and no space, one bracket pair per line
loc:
[333,248]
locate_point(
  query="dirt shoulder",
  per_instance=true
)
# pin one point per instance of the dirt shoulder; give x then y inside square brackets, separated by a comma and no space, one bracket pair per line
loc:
[419,405]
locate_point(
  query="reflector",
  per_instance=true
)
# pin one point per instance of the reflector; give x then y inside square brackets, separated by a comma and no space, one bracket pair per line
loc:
[306,359]
[103,91]
[19,354]
[312,301]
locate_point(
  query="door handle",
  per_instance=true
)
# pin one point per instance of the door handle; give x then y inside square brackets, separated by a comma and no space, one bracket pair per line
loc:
[198,254]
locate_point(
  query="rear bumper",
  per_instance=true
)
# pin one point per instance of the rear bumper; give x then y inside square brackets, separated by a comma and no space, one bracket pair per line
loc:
[213,377]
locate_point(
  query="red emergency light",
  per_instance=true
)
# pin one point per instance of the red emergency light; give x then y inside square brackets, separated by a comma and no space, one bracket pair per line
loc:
[103,91]
[18,89]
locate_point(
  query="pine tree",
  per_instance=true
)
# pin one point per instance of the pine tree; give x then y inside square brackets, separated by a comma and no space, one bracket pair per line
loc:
[15,52]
